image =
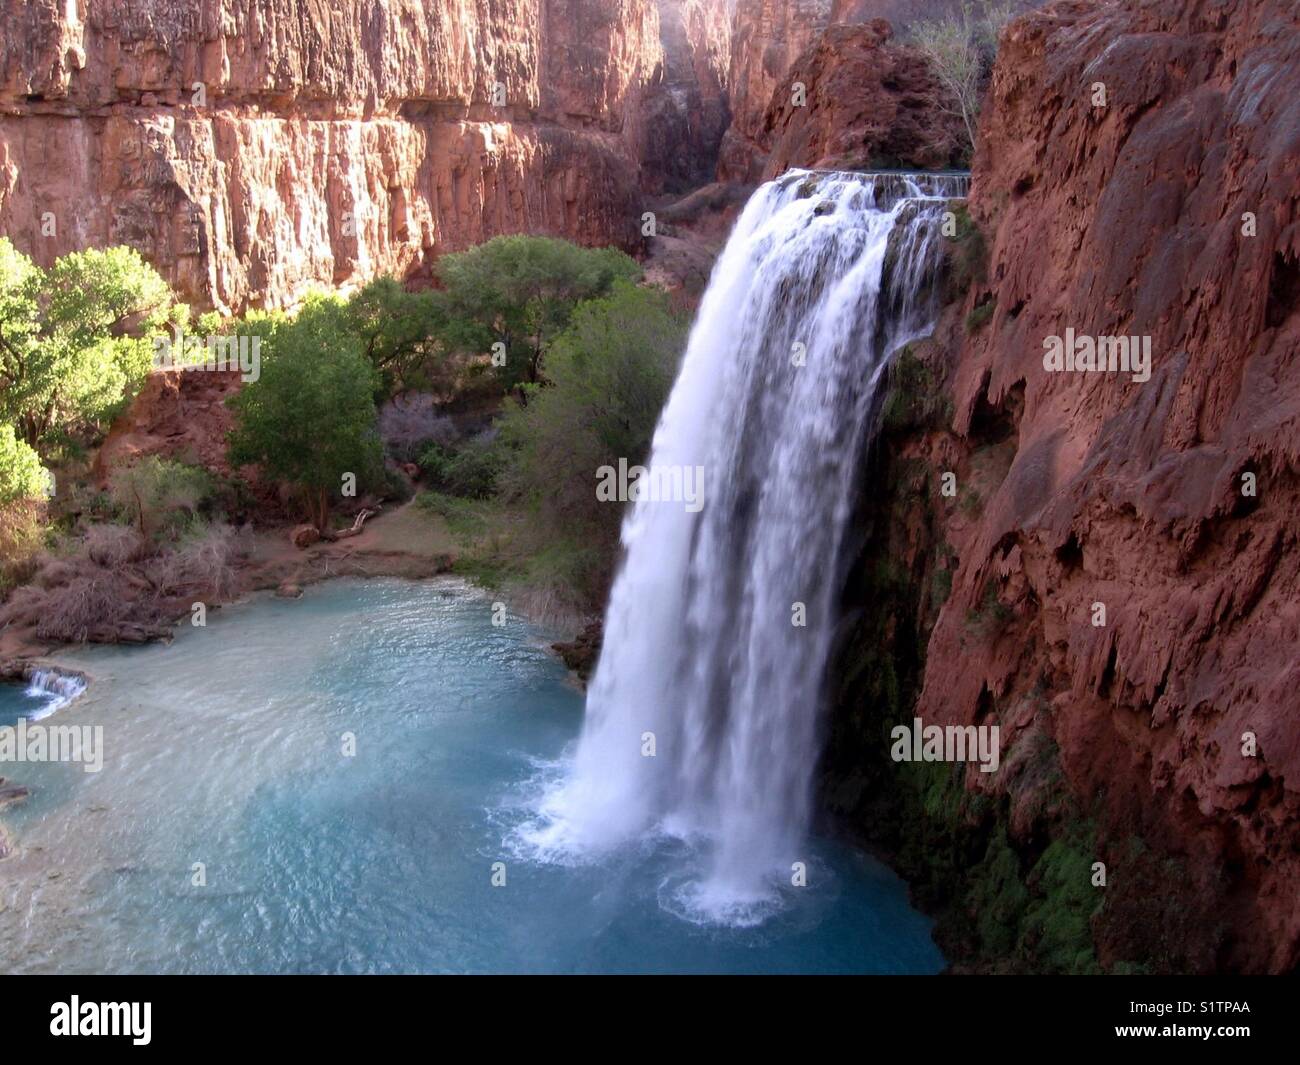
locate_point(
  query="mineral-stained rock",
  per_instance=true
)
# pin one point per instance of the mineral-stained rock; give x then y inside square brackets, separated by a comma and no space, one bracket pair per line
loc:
[1168,209]
[580,653]
[868,103]
[251,150]
[766,38]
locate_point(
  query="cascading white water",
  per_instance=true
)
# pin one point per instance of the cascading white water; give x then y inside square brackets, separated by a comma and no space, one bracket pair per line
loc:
[702,657]
[56,690]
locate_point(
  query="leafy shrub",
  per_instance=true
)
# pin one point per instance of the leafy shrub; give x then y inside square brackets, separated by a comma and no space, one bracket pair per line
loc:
[980,315]
[399,333]
[521,292]
[159,496]
[462,516]
[21,473]
[609,374]
[470,470]
[310,418]
[67,364]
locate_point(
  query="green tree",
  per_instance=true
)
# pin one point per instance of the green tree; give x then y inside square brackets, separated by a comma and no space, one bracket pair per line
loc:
[397,329]
[310,417]
[74,339]
[608,375]
[21,474]
[521,292]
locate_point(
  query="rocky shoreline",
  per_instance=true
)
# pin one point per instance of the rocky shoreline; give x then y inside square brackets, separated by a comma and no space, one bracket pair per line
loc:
[273,565]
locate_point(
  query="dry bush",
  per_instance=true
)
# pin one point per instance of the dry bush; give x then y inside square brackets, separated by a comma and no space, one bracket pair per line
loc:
[960,46]
[551,603]
[203,566]
[22,534]
[113,545]
[408,424]
[54,572]
[556,588]
[113,586]
[71,613]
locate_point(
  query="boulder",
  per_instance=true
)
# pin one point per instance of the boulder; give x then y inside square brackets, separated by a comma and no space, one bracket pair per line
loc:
[303,536]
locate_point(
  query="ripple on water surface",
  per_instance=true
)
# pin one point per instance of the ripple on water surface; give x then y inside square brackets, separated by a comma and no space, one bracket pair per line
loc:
[224,756]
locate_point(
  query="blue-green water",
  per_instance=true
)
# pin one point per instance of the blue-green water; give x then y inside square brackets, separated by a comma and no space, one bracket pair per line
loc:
[226,748]
[16,703]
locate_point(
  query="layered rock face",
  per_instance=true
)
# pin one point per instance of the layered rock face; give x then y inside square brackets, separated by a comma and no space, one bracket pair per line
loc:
[1124,554]
[251,150]
[686,109]
[766,38]
[866,104]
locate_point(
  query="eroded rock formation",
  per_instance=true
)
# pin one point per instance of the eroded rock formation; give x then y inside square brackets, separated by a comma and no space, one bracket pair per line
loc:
[687,109]
[252,151]
[866,100]
[176,414]
[1123,556]
[766,38]
[867,104]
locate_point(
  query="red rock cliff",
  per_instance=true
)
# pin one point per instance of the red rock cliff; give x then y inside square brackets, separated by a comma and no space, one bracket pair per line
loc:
[766,38]
[253,149]
[1170,209]
[687,108]
[867,104]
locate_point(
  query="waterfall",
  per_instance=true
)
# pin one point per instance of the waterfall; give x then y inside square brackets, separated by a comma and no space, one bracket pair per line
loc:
[55,690]
[823,278]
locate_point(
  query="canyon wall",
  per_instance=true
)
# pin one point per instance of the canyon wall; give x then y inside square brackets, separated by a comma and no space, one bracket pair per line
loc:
[868,104]
[251,150]
[1115,582]
[687,110]
[869,101]
[766,38]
